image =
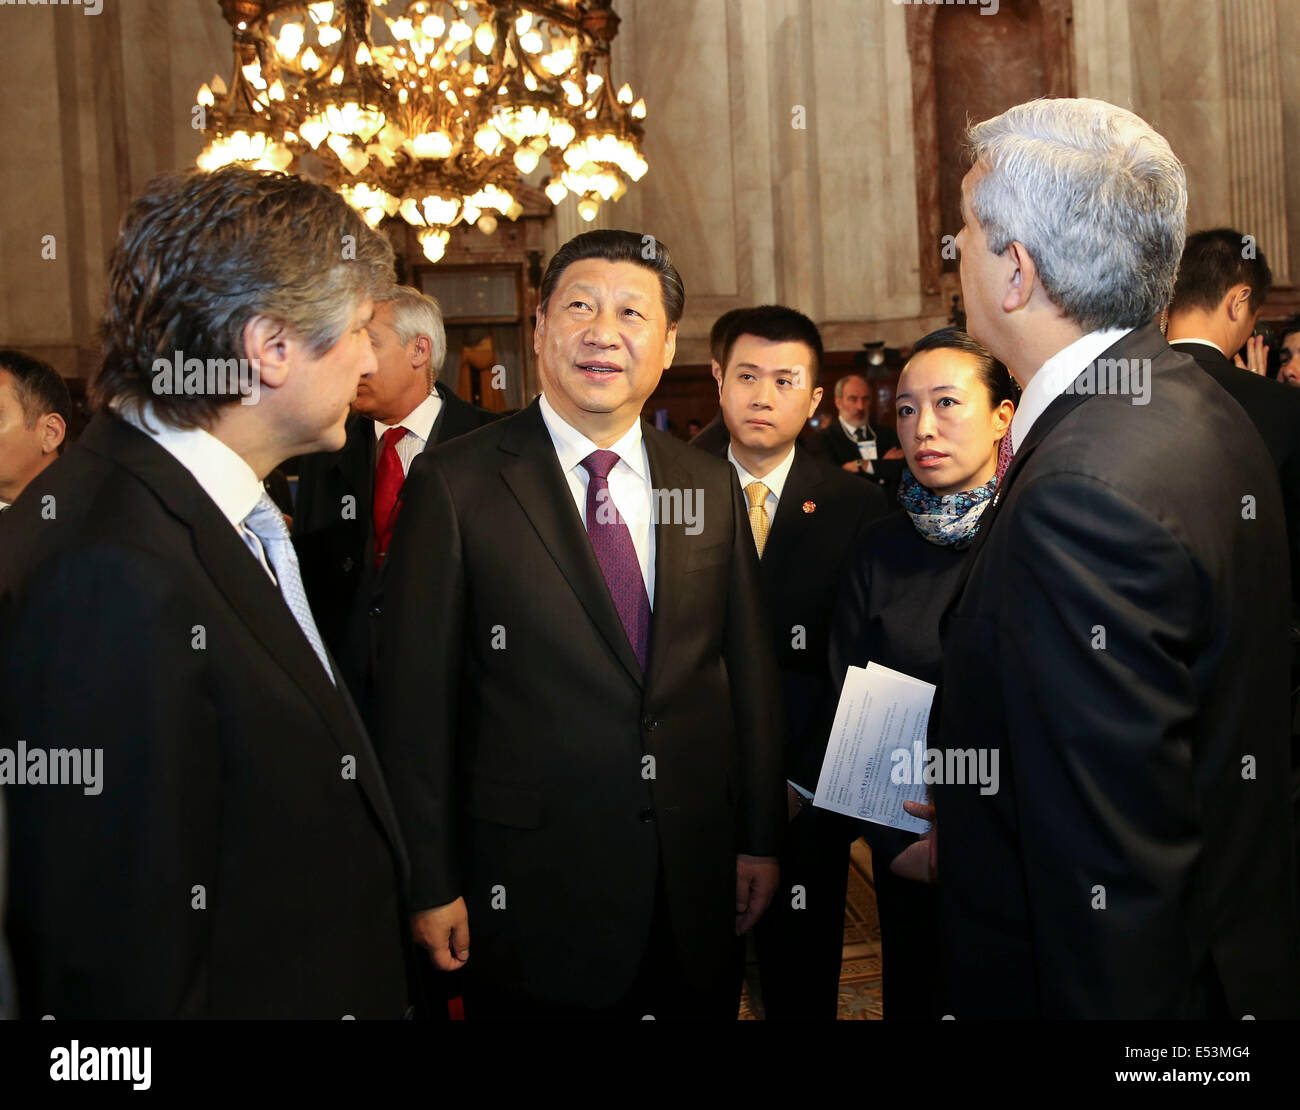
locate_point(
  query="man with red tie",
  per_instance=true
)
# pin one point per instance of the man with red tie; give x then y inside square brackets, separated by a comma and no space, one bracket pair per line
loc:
[579,703]
[348,500]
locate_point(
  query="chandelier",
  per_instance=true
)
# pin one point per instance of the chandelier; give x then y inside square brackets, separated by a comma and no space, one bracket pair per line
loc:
[432,110]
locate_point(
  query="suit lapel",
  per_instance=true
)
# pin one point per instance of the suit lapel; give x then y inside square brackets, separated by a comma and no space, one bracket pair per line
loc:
[800,486]
[244,584]
[666,473]
[533,475]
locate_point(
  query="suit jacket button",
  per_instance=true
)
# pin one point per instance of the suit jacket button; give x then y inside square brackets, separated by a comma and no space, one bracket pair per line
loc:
[347,563]
[647,815]
[374,610]
[650,721]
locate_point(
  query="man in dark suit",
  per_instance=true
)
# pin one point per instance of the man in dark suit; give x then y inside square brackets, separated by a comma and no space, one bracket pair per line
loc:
[1120,644]
[347,500]
[852,444]
[225,845]
[806,517]
[1213,313]
[580,709]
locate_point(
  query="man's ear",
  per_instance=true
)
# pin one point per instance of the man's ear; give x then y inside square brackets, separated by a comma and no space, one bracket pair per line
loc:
[670,345]
[422,350]
[53,429]
[717,376]
[1022,276]
[267,346]
[815,401]
[1237,302]
[539,330]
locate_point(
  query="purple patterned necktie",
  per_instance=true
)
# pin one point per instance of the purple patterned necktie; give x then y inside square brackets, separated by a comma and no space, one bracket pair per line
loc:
[612,543]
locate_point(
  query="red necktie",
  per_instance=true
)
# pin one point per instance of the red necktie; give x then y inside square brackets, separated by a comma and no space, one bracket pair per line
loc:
[388,484]
[1006,451]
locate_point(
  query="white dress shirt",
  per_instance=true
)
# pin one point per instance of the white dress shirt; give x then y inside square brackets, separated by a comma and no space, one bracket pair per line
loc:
[865,446]
[1057,373]
[419,427]
[629,483]
[224,476]
[775,480]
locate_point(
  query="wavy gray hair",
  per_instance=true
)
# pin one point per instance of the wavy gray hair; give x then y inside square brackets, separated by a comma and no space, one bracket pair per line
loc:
[1097,197]
[416,313]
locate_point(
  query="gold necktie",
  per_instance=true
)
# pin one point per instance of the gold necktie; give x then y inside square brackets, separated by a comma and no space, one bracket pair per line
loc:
[756,494]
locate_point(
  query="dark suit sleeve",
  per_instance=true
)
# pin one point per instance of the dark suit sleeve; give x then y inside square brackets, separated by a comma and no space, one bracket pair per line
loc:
[1099,736]
[755,695]
[123,939]
[420,645]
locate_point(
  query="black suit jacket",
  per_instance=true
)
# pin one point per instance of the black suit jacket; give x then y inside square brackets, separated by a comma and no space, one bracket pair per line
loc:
[1274,409]
[333,532]
[839,448]
[1121,642]
[802,569]
[532,763]
[243,858]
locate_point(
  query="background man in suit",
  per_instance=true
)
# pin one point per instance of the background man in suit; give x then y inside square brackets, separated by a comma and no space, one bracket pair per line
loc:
[580,708]
[805,516]
[1121,640]
[1216,304]
[348,500]
[237,855]
[34,408]
[854,445]
[1288,353]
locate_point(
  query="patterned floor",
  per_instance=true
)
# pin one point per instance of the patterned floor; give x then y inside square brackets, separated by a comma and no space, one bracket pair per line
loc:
[860,971]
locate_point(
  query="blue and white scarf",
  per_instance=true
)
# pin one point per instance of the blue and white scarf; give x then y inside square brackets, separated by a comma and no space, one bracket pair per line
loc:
[949,521]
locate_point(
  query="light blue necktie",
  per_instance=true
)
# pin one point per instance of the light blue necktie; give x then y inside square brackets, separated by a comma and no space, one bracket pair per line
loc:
[267,524]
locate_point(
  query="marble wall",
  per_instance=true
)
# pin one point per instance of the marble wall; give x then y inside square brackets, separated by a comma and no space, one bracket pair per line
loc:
[780,138]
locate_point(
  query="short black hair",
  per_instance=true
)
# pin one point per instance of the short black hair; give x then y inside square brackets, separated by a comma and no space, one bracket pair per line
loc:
[996,378]
[1289,328]
[39,388]
[718,334]
[777,324]
[619,246]
[1213,262]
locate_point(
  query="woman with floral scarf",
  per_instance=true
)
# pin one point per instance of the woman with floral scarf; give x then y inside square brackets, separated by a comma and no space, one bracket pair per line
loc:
[955,402]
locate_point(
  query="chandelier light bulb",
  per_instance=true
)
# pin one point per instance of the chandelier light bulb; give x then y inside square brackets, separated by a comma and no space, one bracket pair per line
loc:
[402,29]
[321,13]
[290,41]
[459,32]
[487,139]
[638,109]
[524,22]
[205,96]
[336,75]
[556,192]
[526,159]
[432,144]
[530,82]
[327,35]
[625,94]
[310,61]
[562,134]
[484,37]
[532,42]
[433,242]
[587,209]
[487,223]
[276,91]
[594,81]
[314,131]
[363,55]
